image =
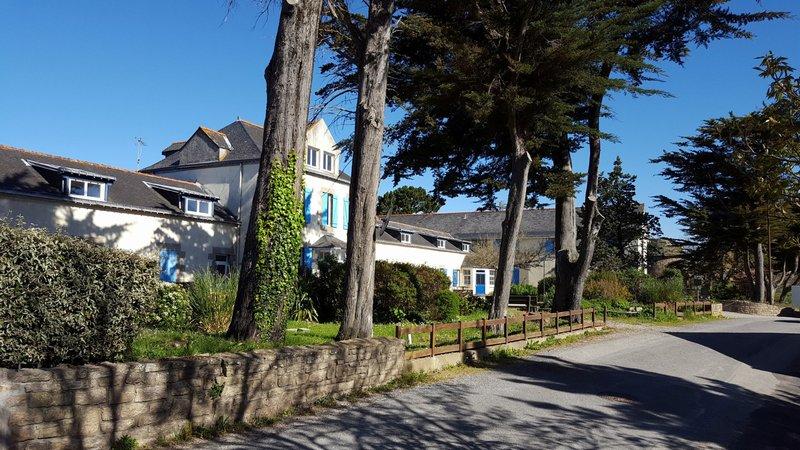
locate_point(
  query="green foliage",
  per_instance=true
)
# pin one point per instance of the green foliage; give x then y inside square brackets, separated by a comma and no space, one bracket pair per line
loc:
[212,297]
[662,290]
[524,289]
[447,306]
[67,300]
[395,294]
[546,284]
[408,200]
[302,308]
[280,239]
[215,391]
[471,303]
[606,288]
[126,442]
[172,309]
[326,288]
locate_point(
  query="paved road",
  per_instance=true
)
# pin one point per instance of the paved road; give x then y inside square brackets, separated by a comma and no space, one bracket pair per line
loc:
[726,384]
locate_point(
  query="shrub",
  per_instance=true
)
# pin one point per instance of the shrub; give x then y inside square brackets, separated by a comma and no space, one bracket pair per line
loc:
[634,280]
[395,295]
[171,310]
[523,289]
[546,284]
[428,281]
[662,290]
[606,289]
[447,306]
[326,288]
[67,300]
[212,297]
[471,303]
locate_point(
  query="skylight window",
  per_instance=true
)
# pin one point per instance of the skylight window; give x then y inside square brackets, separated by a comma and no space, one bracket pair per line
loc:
[91,190]
[198,207]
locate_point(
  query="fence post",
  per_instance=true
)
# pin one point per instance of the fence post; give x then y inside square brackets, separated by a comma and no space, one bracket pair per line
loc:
[570,320]
[505,328]
[676,309]
[556,322]
[582,314]
[655,310]
[605,314]
[593,318]
[483,332]
[397,331]
[461,335]
[541,324]
[525,325]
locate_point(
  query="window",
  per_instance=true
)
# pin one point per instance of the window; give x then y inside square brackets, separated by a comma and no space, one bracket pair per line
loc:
[467,278]
[405,238]
[328,210]
[441,243]
[168,262]
[221,264]
[327,161]
[491,276]
[465,246]
[198,207]
[311,156]
[550,246]
[86,189]
[456,277]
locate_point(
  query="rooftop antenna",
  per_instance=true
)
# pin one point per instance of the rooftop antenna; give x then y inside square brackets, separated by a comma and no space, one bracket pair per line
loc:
[139,144]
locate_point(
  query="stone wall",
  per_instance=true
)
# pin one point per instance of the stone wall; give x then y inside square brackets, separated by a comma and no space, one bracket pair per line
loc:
[92,406]
[758,309]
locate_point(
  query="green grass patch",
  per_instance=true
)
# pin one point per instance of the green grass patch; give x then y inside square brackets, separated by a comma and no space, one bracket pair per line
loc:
[646,318]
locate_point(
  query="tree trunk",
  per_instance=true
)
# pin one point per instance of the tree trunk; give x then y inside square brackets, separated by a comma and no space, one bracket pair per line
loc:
[369,126]
[288,77]
[760,285]
[566,235]
[517,192]
[591,217]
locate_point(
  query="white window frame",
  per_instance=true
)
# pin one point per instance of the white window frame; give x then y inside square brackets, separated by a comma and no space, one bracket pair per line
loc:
[405,238]
[441,243]
[309,152]
[218,262]
[86,183]
[330,209]
[328,156]
[465,247]
[492,274]
[196,211]
[467,277]
[457,274]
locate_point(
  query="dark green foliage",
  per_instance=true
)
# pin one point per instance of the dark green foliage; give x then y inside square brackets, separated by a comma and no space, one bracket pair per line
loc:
[607,289]
[212,297]
[171,310]
[67,300]
[403,292]
[471,303]
[408,200]
[662,290]
[126,442]
[546,284]
[524,289]
[446,307]
[625,223]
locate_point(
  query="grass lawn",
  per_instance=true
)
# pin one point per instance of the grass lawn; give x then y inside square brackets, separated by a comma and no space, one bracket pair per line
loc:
[155,344]
[663,319]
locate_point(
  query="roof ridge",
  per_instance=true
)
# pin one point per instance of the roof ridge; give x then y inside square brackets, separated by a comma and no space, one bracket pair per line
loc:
[105,166]
[468,212]
[206,129]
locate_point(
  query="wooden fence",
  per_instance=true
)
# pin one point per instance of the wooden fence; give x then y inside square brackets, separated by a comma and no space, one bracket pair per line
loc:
[440,338]
[678,308]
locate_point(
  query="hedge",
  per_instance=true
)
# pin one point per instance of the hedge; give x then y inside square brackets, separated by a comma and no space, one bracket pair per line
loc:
[67,300]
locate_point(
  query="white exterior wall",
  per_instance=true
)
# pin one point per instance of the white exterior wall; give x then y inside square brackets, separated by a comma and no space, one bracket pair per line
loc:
[135,232]
[446,260]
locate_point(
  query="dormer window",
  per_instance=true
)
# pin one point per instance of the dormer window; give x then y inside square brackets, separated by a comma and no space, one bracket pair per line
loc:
[91,190]
[465,246]
[327,161]
[405,238]
[198,207]
[311,156]
[441,243]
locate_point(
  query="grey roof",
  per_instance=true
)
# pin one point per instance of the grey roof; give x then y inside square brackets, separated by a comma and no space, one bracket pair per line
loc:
[483,224]
[329,241]
[245,138]
[28,173]
[389,232]
[172,148]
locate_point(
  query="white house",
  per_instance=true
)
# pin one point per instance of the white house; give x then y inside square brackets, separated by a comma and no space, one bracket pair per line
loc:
[225,162]
[179,222]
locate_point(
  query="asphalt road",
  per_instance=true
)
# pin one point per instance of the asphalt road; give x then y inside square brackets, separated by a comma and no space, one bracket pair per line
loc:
[727,384]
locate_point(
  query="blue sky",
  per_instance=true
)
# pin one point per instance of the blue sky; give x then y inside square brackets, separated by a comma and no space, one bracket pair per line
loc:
[84,78]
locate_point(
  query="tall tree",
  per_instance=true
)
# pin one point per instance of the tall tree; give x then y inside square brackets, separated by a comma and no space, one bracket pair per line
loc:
[667,33]
[627,225]
[361,46]
[270,264]
[483,83]
[408,200]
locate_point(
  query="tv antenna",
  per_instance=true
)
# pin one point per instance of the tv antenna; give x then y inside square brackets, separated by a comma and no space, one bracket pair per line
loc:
[139,144]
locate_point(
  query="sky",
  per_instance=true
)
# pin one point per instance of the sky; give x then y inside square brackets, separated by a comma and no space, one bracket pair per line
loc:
[84,79]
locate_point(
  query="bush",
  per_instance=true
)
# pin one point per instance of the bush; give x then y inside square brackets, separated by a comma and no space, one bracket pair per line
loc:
[546,284]
[447,306]
[428,281]
[326,289]
[662,290]
[523,289]
[606,289]
[471,303]
[395,295]
[67,300]
[211,298]
[171,310]
[634,279]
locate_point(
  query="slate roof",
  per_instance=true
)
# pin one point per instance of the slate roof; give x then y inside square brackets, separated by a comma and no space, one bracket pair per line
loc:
[172,148]
[128,190]
[483,224]
[420,236]
[245,141]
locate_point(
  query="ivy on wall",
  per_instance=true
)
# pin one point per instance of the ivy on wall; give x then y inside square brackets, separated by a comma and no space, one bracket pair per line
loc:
[279,238]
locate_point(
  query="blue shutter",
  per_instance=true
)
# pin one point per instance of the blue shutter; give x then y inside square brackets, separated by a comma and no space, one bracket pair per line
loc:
[346,212]
[307,205]
[515,277]
[334,213]
[456,274]
[325,208]
[308,259]
[168,260]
